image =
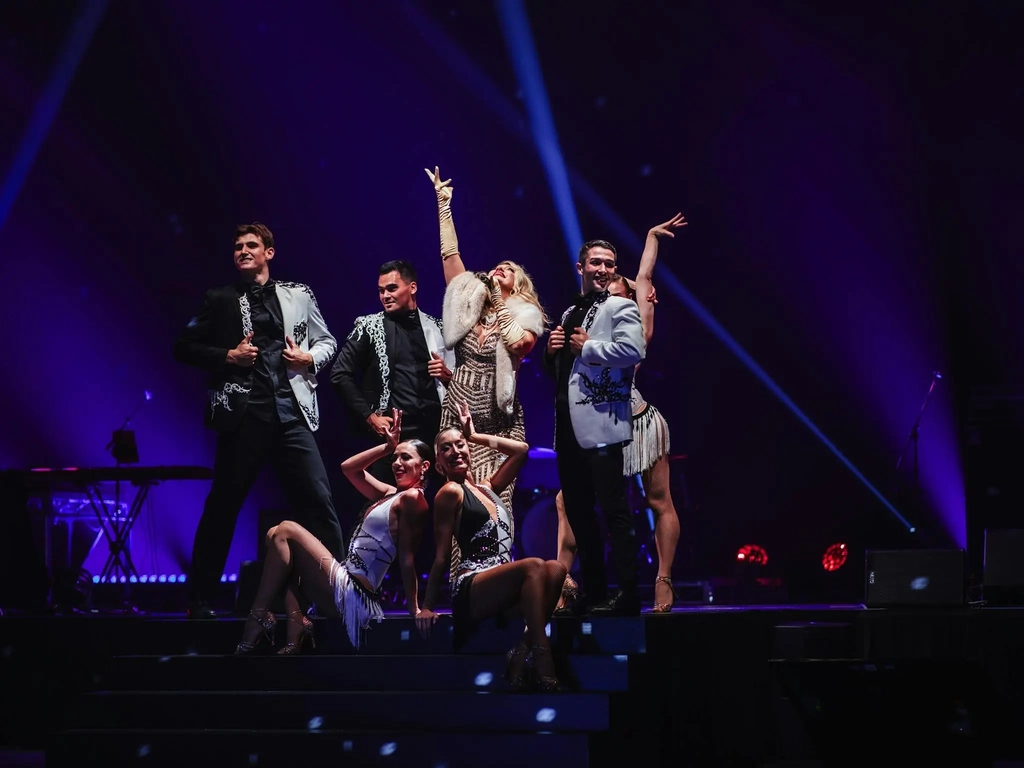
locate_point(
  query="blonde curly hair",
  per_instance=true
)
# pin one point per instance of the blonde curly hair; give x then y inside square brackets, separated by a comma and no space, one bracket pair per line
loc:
[522,288]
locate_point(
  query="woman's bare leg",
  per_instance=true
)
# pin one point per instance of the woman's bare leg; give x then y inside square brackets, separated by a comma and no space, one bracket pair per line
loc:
[532,584]
[666,524]
[293,608]
[566,543]
[292,551]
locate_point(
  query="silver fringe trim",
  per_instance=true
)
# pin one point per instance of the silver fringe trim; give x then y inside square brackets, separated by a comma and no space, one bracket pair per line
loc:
[356,606]
[650,442]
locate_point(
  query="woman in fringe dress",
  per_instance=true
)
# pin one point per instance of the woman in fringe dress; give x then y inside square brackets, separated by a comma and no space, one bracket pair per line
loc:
[390,529]
[647,454]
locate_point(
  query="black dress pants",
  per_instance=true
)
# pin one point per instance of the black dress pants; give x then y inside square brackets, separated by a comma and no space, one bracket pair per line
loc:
[595,475]
[241,454]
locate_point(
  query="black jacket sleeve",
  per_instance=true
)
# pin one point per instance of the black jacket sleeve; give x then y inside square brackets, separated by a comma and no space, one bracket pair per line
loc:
[352,361]
[194,346]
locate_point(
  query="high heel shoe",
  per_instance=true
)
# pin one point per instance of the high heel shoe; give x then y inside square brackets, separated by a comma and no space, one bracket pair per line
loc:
[664,607]
[516,673]
[306,633]
[269,625]
[542,683]
[570,591]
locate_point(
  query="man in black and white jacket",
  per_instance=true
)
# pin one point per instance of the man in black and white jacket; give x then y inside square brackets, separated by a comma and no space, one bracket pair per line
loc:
[263,343]
[394,359]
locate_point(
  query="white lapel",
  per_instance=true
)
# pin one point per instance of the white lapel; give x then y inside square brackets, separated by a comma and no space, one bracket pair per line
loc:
[435,343]
[286,298]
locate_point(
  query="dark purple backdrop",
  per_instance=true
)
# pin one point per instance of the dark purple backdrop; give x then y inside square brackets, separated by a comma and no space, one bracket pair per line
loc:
[852,181]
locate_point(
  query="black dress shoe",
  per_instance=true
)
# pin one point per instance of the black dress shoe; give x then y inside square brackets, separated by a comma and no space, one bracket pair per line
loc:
[200,609]
[619,604]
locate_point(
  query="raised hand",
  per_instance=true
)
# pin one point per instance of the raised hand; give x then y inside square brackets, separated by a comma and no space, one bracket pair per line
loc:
[466,420]
[244,355]
[294,357]
[393,432]
[443,189]
[667,229]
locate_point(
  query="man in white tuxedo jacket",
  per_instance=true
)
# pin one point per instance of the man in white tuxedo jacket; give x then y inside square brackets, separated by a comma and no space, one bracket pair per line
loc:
[592,354]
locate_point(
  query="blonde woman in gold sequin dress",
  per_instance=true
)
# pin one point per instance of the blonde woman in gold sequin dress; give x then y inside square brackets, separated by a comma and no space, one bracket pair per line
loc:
[647,454]
[492,320]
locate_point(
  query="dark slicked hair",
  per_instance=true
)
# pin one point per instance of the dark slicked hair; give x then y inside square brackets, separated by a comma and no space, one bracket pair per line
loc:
[406,270]
[262,231]
[596,244]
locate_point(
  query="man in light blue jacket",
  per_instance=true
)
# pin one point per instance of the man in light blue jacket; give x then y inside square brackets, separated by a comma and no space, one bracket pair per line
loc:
[592,354]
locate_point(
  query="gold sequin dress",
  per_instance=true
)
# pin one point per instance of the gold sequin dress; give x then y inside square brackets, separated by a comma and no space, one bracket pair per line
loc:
[473,382]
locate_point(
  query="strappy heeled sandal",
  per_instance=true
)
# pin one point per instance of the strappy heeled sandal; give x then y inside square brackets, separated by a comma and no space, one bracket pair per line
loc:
[517,678]
[542,683]
[305,634]
[269,625]
[570,591]
[664,607]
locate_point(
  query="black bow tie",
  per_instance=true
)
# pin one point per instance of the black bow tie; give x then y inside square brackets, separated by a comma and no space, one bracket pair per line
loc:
[258,291]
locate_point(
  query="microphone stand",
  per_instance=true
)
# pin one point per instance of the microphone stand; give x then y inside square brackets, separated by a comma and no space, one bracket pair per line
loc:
[146,397]
[914,438]
[124,449]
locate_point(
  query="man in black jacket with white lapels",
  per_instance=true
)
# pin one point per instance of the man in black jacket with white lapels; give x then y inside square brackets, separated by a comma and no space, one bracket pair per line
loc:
[262,343]
[394,359]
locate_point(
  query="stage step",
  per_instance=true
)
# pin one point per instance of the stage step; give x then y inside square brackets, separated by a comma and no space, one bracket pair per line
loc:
[248,748]
[351,673]
[114,635]
[299,710]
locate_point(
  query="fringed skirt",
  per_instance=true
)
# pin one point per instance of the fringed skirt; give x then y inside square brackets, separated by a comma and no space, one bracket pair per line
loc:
[356,605]
[650,442]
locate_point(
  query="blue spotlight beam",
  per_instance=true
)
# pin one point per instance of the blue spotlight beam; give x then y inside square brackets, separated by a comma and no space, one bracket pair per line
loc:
[466,70]
[90,14]
[623,233]
[516,28]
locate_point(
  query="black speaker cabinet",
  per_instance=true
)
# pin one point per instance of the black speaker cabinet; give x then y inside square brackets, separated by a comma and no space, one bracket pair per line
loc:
[914,577]
[1004,566]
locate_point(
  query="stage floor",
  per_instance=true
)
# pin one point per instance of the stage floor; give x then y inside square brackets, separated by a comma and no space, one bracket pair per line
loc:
[703,685]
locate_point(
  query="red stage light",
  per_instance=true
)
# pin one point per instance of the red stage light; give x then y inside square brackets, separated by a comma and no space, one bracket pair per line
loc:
[753,554]
[834,557]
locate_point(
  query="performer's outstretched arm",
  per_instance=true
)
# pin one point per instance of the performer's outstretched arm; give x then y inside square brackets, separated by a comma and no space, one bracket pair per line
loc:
[450,256]
[644,285]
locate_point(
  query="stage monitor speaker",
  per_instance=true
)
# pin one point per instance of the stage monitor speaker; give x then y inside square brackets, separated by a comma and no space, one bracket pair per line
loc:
[914,577]
[1004,568]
